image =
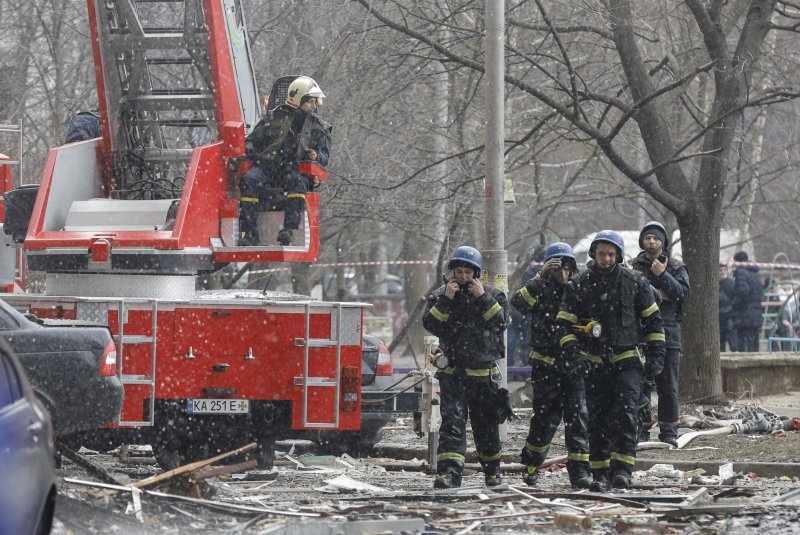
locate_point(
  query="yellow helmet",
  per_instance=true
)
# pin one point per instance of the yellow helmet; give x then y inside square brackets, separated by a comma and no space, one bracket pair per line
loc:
[302,86]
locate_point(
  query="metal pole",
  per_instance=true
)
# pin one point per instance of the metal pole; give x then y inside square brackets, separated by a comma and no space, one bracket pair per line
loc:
[495,255]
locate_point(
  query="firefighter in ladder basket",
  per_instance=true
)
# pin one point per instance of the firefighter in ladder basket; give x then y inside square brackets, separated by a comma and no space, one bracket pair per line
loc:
[288,135]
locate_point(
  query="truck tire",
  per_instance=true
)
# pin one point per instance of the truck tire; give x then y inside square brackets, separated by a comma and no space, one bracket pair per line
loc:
[265,453]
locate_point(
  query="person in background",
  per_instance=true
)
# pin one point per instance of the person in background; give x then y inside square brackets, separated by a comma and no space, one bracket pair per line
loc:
[747,307]
[670,278]
[557,393]
[727,330]
[83,125]
[469,319]
[786,319]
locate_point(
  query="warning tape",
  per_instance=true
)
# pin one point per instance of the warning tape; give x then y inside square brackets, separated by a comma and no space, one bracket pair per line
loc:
[510,263]
[763,265]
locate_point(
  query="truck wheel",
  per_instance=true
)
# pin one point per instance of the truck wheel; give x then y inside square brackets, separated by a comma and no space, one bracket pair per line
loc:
[265,453]
[168,459]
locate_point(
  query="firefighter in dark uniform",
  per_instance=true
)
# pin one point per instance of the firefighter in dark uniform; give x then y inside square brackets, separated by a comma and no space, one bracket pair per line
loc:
[727,316]
[289,134]
[556,391]
[623,302]
[670,278]
[469,319]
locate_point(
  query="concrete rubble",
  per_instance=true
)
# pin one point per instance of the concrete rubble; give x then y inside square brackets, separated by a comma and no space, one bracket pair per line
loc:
[307,493]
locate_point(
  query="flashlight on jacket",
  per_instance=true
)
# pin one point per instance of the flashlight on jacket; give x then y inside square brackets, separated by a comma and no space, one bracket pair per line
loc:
[439,360]
[592,329]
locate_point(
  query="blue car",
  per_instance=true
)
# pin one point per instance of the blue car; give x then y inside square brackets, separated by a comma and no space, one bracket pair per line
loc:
[27,461]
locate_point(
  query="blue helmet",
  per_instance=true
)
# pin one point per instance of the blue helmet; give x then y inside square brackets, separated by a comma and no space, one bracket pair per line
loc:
[614,238]
[657,229]
[466,256]
[558,248]
[561,250]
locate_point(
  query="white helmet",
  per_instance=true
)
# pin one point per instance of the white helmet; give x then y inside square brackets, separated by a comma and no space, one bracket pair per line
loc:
[302,86]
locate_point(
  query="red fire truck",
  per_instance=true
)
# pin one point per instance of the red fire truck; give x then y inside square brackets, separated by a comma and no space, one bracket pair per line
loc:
[124,225]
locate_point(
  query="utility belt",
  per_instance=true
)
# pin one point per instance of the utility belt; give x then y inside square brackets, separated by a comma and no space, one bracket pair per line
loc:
[610,356]
[442,364]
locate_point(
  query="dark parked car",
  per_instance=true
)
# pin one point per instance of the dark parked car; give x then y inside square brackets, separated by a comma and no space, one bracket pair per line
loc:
[27,471]
[72,366]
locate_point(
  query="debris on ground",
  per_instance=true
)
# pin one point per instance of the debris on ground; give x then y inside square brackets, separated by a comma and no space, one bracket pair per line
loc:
[721,483]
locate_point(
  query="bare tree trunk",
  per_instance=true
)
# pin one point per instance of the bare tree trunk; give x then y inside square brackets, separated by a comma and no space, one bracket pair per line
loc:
[701,376]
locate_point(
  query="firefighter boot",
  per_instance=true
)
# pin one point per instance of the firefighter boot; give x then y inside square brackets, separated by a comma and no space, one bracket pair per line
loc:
[531,477]
[621,477]
[579,475]
[600,481]
[248,223]
[285,237]
[447,480]
[449,475]
[492,474]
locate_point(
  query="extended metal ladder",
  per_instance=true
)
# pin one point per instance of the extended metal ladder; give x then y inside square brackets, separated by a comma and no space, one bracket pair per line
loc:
[161,103]
[123,340]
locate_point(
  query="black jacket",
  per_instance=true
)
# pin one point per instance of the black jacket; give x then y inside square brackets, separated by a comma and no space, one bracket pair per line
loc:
[283,136]
[727,296]
[622,301]
[674,283]
[470,330]
[84,125]
[748,295]
[541,299]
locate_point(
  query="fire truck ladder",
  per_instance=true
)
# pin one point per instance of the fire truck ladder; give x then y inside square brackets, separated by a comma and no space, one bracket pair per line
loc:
[325,382]
[160,104]
[124,340]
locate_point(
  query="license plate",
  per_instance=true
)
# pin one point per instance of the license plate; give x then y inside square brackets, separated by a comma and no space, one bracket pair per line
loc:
[218,406]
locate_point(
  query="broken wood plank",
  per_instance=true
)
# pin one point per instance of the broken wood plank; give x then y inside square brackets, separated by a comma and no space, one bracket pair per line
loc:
[199,475]
[191,467]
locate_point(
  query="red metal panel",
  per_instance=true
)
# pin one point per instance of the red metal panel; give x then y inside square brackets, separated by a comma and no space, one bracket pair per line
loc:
[226,93]
[198,214]
[225,335]
[104,148]
[5,183]
[196,223]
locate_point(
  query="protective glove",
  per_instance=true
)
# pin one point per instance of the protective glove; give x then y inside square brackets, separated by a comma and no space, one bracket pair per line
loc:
[653,366]
[576,361]
[503,408]
[549,267]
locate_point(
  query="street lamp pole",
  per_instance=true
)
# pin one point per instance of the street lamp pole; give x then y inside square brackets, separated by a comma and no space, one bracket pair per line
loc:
[495,255]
